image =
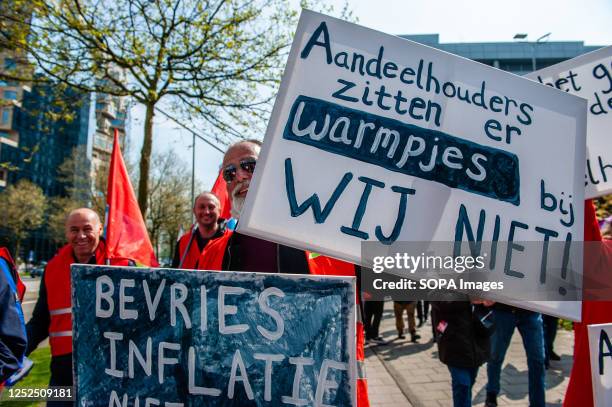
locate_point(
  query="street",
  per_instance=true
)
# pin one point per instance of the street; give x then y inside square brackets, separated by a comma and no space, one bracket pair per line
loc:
[31,296]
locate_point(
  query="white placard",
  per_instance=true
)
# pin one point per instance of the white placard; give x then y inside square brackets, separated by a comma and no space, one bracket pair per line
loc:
[589,76]
[377,138]
[571,310]
[600,350]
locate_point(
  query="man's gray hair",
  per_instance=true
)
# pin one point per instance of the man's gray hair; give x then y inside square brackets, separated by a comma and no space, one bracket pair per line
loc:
[258,143]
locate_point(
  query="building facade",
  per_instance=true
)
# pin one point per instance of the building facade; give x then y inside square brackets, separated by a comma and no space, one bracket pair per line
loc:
[520,57]
[44,143]
[11,96]
[110,114]
[44,128]
[41,126]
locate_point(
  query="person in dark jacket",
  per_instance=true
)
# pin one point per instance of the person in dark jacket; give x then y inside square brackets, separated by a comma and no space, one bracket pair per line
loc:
[13,339]
[463,343]
[239,252]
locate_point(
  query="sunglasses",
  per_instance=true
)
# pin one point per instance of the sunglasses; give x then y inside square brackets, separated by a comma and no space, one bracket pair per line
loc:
[229,172]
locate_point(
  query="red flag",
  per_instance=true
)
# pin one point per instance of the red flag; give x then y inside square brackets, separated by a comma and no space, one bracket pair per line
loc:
[323,265]
[220,189]
[580,391]
[125,230]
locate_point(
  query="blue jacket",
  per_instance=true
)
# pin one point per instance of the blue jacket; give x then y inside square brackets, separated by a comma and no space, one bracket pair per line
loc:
[13,340]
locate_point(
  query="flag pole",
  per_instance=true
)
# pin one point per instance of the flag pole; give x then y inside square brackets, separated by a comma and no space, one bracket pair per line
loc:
[194,230]
[193,145]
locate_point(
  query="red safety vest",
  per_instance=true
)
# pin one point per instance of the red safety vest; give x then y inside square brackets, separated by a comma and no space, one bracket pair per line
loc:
[57,282]
[212,255]
[191,259]
[212,259]
[4,253]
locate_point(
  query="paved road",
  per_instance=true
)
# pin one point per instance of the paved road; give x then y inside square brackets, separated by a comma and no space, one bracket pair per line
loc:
[425,381]
[32,286]
[383,389]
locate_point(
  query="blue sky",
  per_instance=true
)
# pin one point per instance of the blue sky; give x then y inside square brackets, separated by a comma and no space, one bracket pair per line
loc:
[453,20]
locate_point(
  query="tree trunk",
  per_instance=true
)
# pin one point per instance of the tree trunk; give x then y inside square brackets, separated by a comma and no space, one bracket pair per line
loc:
[156,247]
[172,238]
[17,248]
[145,159]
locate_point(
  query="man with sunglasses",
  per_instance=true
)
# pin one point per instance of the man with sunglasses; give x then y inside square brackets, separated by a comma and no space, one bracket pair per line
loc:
[237,252]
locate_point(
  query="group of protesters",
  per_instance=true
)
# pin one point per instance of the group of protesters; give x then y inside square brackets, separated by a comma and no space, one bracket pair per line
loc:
[468,333]
[472,333]
[373,315]
[209,245]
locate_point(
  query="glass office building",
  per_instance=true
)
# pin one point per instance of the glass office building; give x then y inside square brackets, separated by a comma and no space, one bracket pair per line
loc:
[43,145]
[518,57]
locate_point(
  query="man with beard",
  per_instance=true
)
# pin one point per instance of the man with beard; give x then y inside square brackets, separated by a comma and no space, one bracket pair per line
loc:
[206,209]
[235,251]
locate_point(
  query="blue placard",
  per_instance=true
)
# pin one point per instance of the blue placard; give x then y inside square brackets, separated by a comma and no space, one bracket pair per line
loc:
[178,338]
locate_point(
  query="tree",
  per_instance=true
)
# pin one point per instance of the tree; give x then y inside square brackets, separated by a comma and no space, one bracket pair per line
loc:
[75,174]
[22,207]
[59,208]
[80,191]
[169,201]
[604,206]
[219,60]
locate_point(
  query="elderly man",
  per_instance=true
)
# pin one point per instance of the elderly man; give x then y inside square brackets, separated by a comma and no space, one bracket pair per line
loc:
[206,210]
[238,252]
[52,314]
